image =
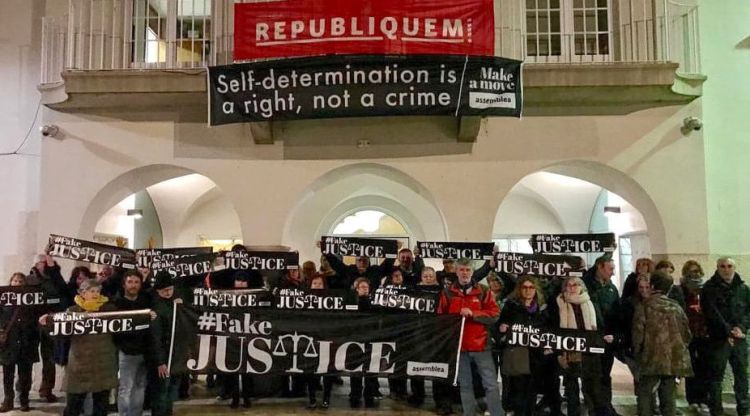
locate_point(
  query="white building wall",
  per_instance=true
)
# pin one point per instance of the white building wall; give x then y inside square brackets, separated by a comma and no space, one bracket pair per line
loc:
[20,47]
[628,154]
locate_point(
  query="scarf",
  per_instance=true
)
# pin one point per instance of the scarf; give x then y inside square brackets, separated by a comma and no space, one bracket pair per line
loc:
[533,306]
[91,305]
[567,315]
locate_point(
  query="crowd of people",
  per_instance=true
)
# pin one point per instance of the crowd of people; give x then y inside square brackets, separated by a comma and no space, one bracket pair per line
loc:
[664,329]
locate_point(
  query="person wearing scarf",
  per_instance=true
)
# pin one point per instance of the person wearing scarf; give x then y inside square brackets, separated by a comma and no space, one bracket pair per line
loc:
[526,306]
[576,311]
[696,388]
[92,363]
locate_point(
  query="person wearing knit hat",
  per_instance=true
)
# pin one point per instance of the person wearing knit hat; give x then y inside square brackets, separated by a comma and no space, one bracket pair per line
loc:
[163,280]
[161,330]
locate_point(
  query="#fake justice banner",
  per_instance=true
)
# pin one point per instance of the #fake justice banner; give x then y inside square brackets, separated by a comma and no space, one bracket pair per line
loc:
[291,28]
[273,341]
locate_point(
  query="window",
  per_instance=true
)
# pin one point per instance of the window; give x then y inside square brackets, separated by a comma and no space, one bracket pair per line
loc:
[543,28]
[591,27]
[371,224]
[568,30]
[171,33]
[513,244]
[193,31]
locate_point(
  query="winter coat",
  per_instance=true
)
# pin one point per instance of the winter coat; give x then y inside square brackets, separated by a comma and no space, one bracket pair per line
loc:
[92,363]
[514,312]
[372,273]
[51,283]
[484,312]
[629,287]
[661,337]
[607,299]
[161,333]
[413,276]
[138,342]
[694,312]
[22,344]
[725,306]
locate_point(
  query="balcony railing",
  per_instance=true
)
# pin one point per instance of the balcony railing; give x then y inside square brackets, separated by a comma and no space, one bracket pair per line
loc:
[179,34]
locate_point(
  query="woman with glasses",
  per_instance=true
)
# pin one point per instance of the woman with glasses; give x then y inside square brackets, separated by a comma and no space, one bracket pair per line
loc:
[696,387]
[525,306]
[576,311]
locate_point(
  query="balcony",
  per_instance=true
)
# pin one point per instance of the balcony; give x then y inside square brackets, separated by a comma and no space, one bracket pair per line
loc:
[600,56]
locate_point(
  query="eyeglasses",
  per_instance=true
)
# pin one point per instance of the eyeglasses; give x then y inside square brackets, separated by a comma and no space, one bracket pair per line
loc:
[528,287]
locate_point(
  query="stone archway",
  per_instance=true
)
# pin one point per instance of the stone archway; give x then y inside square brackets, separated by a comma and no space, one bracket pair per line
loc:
[362,186]
[173,204]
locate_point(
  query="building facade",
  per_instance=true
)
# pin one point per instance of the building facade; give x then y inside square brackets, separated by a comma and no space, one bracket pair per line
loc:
[608,86]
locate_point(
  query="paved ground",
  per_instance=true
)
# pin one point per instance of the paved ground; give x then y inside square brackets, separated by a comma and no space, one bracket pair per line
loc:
[204,403]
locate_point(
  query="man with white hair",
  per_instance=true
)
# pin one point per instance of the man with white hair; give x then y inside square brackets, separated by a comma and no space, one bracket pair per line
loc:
[466,298]
[726,305]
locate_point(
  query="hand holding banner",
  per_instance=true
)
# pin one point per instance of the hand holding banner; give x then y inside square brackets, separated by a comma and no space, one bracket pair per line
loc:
[455,250]
[537,264]
[559,339]
[91,252]
[354,246]
[145,256]
[261,260]
[401,298]
[93,323]
[573,243]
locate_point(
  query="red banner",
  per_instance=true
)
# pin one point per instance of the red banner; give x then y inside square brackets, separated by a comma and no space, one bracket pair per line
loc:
[288,28]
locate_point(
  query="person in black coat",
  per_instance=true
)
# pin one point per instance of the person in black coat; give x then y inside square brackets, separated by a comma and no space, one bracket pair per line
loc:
[643,267]
[19,345]
[525,306]
[46,275]
[133,348]
[726,305]
[361,268]
[362,292]
[244,382]
[604,295]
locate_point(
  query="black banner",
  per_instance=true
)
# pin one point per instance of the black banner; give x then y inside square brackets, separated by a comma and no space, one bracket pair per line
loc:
[238,298]
[328,300]
[186,266]
[261,260]
[272,341]
[91,252]
[145,256]
[92,323]
[572,243]
[536,264]
[25,296]
[451,250]
[355,246]
[401,298]
[363,86]
[559,339]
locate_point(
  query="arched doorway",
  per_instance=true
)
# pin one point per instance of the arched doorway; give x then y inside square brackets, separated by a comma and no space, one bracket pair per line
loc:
[172,206]
[547,202]
[350,189]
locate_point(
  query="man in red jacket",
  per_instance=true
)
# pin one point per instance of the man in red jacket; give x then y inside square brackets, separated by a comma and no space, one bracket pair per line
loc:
[479,309]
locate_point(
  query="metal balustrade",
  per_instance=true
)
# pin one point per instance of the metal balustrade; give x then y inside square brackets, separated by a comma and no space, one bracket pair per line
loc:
[177,34]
